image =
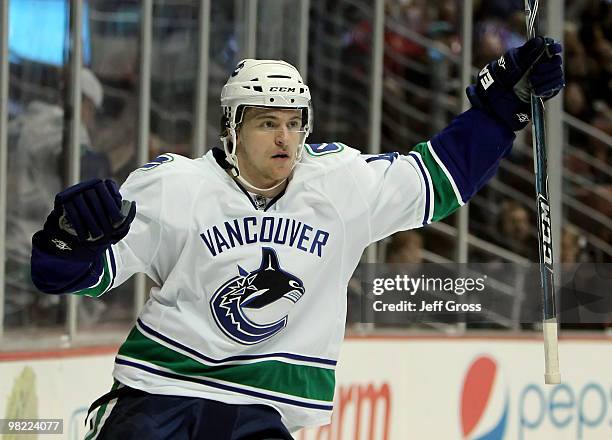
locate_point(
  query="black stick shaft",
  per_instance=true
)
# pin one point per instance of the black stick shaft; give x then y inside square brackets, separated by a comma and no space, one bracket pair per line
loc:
[549,313]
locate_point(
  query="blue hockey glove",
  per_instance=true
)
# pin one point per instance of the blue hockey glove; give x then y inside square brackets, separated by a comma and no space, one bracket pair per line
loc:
[504,86]
[86,219]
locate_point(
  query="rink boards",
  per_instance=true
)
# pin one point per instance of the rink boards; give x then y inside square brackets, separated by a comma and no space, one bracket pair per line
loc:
[387,388]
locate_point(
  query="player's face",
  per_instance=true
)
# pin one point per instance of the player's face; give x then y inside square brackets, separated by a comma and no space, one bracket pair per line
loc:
[267,144]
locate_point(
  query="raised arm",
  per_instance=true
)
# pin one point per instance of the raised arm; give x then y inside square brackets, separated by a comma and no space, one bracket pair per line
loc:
[466,154]
[72,251]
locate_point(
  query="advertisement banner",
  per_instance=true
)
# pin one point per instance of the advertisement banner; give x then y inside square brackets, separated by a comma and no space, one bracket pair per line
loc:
[387,388]
[469,389]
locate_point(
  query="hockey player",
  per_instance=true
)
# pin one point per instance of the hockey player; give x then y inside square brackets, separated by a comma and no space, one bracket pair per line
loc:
[252,246]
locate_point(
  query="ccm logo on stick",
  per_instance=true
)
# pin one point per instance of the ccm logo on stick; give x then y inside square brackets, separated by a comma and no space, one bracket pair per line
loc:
[282,89]
[544,211]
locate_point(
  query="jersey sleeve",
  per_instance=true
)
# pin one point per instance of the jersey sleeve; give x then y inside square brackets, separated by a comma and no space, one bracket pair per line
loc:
[391,187]
[134,253]
[139,248]
[435,178]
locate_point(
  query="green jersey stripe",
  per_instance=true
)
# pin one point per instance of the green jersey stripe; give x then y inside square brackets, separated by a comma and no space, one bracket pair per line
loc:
[103,282]
[303,381]
[445,198]
[100,413]
[448,174]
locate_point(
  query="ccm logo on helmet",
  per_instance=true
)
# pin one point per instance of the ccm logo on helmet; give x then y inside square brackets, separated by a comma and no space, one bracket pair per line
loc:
[282,89]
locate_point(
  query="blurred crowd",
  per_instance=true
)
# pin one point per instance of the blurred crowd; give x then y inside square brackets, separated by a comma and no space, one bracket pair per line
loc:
[427,86]
[421,94]
[504,214]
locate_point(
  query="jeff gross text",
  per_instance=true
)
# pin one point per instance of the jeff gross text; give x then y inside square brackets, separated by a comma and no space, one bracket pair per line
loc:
[404,293]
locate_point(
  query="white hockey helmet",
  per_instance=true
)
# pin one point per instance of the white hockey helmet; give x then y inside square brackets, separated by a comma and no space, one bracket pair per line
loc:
[262,83]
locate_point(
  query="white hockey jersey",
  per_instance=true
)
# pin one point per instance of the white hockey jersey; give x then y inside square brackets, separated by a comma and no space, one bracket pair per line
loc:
[250,303]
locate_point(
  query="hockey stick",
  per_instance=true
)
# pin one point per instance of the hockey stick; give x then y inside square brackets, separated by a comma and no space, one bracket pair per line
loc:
[549,313]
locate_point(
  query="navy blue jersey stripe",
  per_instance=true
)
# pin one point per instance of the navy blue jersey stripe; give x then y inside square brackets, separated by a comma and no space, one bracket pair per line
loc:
[296,357]
[471,155]
[275,198]
[246,193]
[426,182]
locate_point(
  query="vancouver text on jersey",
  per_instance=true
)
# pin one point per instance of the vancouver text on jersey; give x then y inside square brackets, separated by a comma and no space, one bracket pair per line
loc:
[278,230]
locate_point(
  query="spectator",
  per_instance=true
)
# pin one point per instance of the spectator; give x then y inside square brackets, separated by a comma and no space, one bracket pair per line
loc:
[575,100]
[571,246]
[35,175]
[405,247]
[514,230]
[601,150]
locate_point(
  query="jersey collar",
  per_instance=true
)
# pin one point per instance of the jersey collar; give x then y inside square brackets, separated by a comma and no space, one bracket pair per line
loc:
[219,156]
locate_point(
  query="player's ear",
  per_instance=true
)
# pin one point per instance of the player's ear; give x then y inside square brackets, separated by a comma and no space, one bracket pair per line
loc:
[238,136]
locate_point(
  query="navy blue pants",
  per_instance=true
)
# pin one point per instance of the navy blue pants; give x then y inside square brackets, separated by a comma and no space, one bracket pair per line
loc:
[126,414]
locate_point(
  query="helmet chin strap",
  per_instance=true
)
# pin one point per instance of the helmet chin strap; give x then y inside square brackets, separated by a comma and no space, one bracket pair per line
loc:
[232,158]
[250,185]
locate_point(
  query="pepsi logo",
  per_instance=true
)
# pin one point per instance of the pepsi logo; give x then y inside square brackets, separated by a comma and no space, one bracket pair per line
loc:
[484,401]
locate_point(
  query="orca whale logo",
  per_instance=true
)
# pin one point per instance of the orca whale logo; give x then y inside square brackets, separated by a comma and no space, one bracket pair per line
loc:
[254,306]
